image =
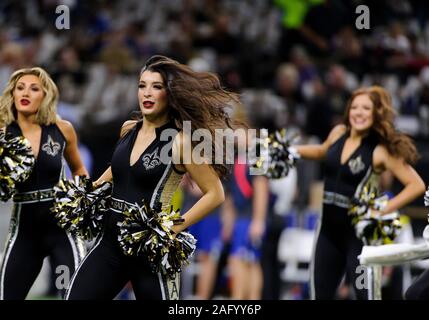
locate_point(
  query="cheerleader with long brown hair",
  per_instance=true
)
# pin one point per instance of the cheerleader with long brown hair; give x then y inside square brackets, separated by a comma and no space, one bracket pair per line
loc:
[362,148]
[143,168]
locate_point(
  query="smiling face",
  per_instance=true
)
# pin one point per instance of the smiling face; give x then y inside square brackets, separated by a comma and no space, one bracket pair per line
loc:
[152,94]
[28,94]
[361,113]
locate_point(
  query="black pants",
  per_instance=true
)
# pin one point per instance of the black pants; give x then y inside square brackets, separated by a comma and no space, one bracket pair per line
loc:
[106,270]
[33,236]
[419,290]
[336,255]
[271,266]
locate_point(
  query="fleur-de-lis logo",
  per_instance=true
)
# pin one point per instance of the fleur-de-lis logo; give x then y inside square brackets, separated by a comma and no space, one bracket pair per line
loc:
[51,147]
[356,165]
[151,160]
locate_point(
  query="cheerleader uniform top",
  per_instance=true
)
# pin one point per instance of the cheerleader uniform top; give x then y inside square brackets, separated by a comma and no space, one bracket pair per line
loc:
[153,177]
[48,166]
[343,180]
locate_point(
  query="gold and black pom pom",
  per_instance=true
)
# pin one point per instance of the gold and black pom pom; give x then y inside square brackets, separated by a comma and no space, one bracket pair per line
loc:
[79,207]
[372,228]
[146,232]
[16,163]
[378,230]
[276,155]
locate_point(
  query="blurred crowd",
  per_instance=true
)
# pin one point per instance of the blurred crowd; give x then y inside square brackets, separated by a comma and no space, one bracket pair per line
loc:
[294,62]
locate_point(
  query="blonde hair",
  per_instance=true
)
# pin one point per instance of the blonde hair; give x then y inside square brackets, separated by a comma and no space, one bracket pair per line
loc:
[47,113]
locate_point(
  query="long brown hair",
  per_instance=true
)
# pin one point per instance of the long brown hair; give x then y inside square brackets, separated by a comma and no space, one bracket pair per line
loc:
[197,97]
[398,144]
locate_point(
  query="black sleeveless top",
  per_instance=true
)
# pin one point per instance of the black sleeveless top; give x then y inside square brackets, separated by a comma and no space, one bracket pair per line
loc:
[342,180]
[49,162]
[153,177]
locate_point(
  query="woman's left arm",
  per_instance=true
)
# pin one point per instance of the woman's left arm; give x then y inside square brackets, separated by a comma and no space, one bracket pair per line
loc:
[208,182]
[405,173]
[71,152]
[213,195]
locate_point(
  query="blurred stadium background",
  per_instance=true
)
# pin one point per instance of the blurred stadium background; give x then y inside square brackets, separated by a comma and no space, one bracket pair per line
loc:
[294,62]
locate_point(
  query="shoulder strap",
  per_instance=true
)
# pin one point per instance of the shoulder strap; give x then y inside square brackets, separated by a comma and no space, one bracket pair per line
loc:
[130,128]
[14,129]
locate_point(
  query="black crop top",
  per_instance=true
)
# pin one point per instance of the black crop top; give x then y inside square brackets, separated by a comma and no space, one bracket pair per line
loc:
[49,163]
[153,177]
[342,180]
